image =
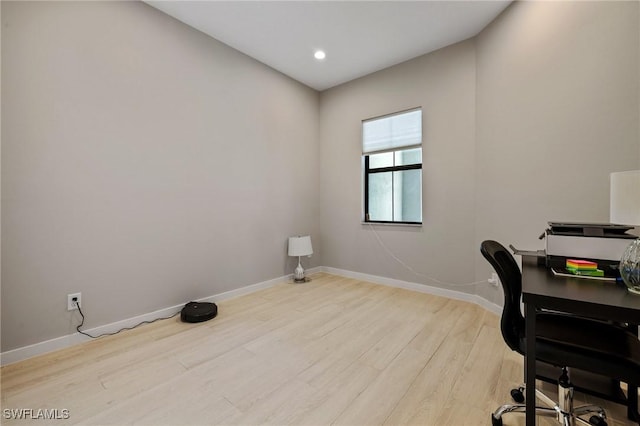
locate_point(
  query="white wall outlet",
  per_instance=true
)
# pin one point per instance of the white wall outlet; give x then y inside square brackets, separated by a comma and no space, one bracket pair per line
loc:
[71,304]
[494,280]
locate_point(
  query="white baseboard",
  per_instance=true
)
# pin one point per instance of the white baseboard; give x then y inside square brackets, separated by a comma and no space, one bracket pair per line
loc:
[40,348]
[420,288]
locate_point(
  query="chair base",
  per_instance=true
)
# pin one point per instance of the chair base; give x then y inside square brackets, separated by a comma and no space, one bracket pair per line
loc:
[563,410]
[595,385]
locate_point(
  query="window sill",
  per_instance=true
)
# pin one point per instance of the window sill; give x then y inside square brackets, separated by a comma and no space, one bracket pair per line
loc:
[413,225]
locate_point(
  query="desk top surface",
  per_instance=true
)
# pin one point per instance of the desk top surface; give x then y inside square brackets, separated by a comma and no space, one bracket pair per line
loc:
[601,299]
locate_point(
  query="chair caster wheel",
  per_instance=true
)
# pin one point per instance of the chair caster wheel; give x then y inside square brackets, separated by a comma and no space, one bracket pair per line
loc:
[597,421]
[517,395]
[496,421]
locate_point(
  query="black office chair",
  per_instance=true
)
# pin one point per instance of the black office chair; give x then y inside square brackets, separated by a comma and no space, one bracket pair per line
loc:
[564,341]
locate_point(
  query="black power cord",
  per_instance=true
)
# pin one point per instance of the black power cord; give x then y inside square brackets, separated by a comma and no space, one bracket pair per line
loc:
[115,332]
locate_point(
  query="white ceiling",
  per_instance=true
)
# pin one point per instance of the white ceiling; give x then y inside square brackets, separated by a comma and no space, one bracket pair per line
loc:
[359,37]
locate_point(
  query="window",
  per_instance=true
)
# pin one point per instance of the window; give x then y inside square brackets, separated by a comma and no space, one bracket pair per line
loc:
[392,160]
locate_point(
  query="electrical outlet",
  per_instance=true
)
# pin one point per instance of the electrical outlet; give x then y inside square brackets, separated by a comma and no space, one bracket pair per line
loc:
[494,280]
[71,303]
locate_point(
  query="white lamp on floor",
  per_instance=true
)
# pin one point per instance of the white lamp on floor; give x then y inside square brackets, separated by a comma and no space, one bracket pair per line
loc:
[300,246]
[625,210]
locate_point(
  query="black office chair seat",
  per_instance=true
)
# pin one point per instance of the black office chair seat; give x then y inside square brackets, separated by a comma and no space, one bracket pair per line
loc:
[564,341]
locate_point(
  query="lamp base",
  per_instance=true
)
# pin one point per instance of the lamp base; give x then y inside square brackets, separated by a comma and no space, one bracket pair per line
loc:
[298,273]
[301,280]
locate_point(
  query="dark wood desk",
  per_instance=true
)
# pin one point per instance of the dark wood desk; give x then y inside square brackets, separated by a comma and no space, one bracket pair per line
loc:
[596,299]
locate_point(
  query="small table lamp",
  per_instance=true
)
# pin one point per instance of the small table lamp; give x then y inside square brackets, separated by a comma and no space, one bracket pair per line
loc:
[625,210]
[300,246]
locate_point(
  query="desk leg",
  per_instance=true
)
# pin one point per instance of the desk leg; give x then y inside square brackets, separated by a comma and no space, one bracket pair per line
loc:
[632,403]
[530,364]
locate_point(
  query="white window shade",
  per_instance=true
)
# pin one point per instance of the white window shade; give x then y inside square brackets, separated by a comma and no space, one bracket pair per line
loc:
[392,132]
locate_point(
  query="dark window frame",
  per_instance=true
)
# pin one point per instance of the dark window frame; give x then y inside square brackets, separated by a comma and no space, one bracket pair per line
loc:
[369,171]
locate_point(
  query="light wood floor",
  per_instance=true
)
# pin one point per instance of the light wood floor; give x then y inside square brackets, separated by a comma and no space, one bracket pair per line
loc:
[331,351]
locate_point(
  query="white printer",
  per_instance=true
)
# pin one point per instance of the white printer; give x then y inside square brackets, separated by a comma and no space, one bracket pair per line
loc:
[592,241]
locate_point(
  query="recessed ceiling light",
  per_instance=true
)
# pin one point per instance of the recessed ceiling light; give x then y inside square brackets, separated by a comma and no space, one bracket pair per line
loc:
[320,55]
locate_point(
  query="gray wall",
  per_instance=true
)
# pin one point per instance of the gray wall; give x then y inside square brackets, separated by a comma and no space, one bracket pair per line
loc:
[557,111]
[443,83]
[144,164]
[544,108]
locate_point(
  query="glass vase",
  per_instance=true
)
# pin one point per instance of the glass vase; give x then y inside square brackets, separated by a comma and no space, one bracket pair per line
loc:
[630,267]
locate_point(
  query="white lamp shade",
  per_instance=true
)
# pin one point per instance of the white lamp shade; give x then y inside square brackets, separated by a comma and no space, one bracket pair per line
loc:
[300,246]
[625,198]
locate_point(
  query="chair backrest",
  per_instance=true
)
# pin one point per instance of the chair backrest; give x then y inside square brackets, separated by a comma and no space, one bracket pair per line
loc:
[512,321]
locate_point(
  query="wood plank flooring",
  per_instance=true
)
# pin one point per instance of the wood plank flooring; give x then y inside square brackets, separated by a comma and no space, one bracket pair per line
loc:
[332,351]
